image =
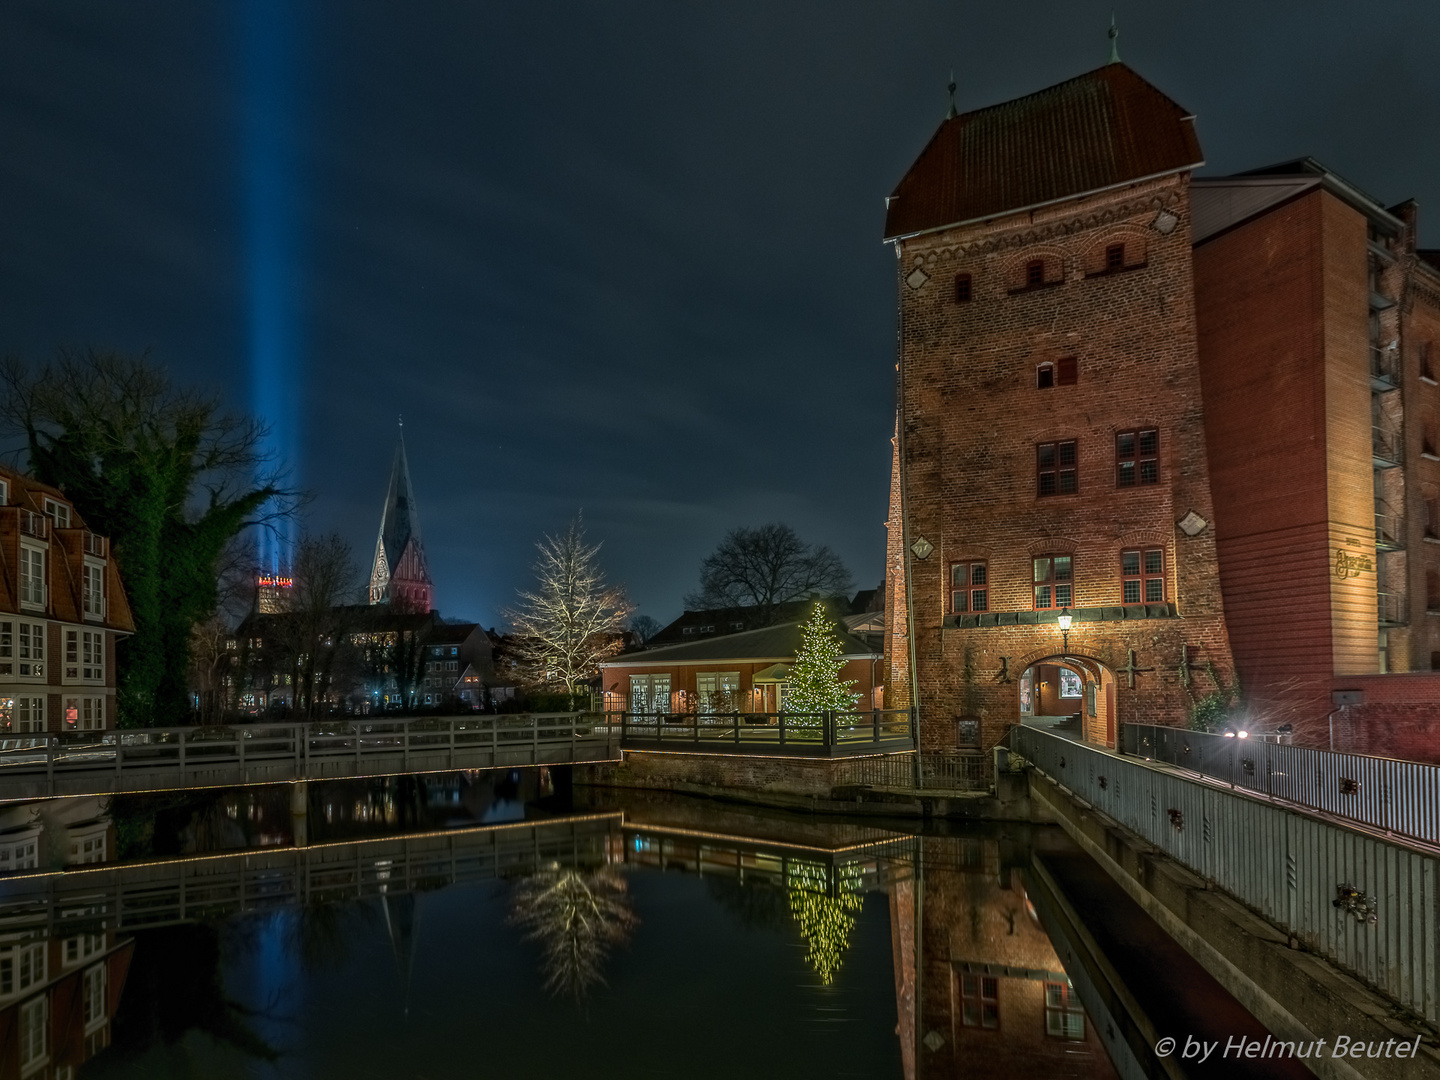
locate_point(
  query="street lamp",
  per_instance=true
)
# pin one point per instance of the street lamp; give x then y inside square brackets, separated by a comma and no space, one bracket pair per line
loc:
[1064,620]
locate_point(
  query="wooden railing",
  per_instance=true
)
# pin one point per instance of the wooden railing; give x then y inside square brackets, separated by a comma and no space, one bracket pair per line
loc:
[105,762]
[825,734]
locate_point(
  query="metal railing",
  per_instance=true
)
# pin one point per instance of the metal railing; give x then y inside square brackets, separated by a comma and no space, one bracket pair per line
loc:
[1313,878]
[1391,608]
[33,524]
[1400,797]
[1387,446]
[1389,527]
[1385,368]
[955,771]
[104,762]
[826,734]
[164,892]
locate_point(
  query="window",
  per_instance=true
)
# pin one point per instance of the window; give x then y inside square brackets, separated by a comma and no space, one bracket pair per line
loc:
[1054,578]
[87,849]
[688,630]
[1427,366]
[962,288]
[1070,683]
[1055,469]
[22,715]
[57,512]
[718,691]
[969,587]
[85,655]
[452,665]
[93,590]
[21,967]
[1067,371]
[1045,376]
[1137,457]
[979,1001]
[93,997]
[34,1029]
[16,855]
[1034,273]
[1089,699]
[83,946]
[85,713]
[32,576]
[1114,257]
[28,645]
[649,693]
[967,732]
[1064,1016]
[1143,576]
[4,492]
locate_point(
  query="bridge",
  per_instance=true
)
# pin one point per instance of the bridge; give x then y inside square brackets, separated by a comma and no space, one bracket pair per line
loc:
[155,759]
[1335,853]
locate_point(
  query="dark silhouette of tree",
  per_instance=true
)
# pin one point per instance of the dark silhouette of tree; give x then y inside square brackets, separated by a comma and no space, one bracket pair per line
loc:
[644,628]
[765,567]
[163,472]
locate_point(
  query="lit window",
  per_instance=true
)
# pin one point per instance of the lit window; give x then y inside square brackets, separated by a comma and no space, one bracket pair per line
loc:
[969,587]
[1054,581]
[1056,471]
[1143,575]
[1137,457]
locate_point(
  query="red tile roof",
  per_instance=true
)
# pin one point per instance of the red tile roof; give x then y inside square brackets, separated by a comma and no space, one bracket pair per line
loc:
[1104,128]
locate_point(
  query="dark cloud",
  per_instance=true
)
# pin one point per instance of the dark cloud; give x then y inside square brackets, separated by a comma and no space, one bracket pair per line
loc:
[617,256]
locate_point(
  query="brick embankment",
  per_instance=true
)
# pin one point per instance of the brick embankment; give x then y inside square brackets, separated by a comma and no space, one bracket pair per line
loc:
[803,785]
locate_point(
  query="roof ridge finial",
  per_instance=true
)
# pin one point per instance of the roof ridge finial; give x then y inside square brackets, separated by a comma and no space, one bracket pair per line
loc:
[1114,36]
[952,113]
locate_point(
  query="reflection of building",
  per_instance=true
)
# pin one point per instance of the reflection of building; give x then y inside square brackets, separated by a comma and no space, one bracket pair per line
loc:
[746,671]
[62,609]
[400,576]
[996,1001]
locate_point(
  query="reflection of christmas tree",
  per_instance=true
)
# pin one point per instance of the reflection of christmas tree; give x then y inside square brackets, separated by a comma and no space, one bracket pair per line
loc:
[825,921]
[814,684]
[577,918]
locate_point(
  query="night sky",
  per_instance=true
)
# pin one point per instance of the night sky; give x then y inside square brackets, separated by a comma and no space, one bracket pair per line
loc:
[616,256]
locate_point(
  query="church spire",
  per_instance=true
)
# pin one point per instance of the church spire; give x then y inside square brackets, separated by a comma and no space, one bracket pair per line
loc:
[399,575]
[1114,36]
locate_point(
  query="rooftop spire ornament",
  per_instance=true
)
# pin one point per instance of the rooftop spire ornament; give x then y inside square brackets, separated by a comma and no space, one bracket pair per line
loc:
[951,114]
[1114,36]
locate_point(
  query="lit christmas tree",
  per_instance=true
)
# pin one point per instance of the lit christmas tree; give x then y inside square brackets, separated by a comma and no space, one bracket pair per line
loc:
[815,676]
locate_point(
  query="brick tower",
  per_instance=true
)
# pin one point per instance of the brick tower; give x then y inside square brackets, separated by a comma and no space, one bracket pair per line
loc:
[1050,456]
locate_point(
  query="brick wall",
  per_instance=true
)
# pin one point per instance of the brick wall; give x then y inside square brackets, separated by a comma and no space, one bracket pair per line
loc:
[973,415]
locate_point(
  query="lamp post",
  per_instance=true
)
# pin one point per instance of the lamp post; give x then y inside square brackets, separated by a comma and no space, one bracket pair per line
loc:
[1064,620]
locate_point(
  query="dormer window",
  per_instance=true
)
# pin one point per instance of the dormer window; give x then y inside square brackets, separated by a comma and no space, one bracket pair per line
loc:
[58,512]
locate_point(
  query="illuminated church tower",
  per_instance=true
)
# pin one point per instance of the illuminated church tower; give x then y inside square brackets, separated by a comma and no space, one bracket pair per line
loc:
[400,577]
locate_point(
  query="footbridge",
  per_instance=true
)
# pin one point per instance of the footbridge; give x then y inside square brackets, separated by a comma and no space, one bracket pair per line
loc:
[158,759]
[1306,882]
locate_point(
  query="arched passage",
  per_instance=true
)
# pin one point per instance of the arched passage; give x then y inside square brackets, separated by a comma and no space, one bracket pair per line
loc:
[1071,695]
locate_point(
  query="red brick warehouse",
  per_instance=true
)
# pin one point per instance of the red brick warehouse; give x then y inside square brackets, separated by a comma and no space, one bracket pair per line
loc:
[1168,408]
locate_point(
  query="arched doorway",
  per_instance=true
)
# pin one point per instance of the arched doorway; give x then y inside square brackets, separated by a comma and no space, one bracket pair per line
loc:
[1070,695]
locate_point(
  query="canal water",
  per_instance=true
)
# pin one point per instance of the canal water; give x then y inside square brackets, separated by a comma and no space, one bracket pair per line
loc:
[503,924]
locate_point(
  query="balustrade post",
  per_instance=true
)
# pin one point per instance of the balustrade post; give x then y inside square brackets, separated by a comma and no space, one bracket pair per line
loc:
[782,727]
[534,739]
[827,728]
[875,724]
[735,720]
[244,770]
[452,744]
[183,741]
[51,745]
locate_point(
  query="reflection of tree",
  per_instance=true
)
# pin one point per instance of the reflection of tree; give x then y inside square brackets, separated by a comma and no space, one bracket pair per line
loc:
[825,921]
[577,918]
[758,905]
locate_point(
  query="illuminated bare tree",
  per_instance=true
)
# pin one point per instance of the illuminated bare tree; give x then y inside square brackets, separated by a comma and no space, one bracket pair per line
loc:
[577,918]
[573,619]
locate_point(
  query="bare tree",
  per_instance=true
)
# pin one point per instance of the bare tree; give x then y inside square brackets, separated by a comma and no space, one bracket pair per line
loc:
[766,567]
[644,628]
[573,619]
[310,637]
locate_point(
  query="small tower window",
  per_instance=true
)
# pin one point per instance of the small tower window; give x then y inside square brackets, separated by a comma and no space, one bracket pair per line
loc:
[1045,376]
[1115,257]
[1034,273]
[962,288]
[1067,371]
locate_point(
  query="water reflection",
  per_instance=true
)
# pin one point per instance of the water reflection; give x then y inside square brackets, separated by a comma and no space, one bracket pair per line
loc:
[406,927]
[577,918]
